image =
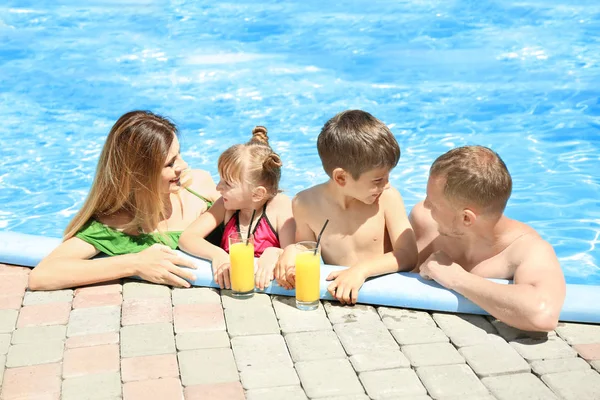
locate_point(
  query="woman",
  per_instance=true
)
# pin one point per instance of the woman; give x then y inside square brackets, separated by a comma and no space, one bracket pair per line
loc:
[135,211]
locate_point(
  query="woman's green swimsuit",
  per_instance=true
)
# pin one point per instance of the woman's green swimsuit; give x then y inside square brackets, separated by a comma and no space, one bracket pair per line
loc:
[113,242]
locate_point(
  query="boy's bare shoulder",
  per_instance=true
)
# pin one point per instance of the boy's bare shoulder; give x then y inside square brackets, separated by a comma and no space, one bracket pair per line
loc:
[310,196]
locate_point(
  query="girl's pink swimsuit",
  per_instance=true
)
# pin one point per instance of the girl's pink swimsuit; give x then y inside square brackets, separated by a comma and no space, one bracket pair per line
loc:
[264,234]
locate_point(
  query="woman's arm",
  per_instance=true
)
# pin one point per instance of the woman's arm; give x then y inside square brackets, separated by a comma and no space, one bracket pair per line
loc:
[69,265]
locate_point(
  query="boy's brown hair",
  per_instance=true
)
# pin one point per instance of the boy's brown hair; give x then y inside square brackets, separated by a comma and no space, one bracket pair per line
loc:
[474,174]
[357,142]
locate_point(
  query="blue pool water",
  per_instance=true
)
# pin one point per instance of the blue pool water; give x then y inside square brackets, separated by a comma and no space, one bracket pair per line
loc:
[521,77]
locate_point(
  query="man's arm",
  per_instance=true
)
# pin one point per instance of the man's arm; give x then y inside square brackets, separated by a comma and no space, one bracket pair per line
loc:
[425,230]
[532,303]
[403,257]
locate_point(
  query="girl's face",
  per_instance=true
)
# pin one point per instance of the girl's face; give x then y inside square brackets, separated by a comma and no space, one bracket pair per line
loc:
[236,195]
[171,172]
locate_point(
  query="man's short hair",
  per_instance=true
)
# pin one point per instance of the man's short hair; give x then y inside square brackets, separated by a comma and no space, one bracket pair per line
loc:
[357,142]
[474,174]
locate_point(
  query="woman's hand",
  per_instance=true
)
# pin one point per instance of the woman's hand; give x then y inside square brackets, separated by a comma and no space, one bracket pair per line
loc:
[221,265]
[159,264]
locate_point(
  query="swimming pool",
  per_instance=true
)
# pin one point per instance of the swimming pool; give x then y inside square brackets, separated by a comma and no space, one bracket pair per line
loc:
[518,77]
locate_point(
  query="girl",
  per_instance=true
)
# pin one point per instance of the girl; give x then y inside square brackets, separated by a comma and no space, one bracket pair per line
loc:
[250,176]
[135,211]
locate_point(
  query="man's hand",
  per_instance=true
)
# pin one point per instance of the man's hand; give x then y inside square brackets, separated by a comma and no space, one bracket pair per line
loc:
[440,268]
[346,284]
[221,266]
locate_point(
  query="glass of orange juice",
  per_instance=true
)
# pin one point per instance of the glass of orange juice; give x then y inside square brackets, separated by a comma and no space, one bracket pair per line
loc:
[308,275]
[241,254]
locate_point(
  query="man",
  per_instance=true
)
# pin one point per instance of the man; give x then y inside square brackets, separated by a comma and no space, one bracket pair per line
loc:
[463,237]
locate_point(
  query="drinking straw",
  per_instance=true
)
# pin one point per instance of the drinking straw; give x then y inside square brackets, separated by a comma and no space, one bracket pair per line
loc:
[319,237]
[250,226]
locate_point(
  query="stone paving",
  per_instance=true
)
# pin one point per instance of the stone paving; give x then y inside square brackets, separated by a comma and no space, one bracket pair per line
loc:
[131,340]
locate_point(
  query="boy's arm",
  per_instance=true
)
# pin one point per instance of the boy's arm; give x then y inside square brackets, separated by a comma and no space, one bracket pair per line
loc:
[403,257]
[286,263]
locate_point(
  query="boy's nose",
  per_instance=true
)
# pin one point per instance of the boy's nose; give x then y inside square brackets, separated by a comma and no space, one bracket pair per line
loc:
[219,186]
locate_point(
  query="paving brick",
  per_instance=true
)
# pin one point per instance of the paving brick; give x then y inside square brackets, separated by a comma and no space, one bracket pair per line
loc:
[574,385]
[451,380]
[8,319]
[465,330]
[85,299]
[397,318]
[195,295]
[340,314]
[278,393]
[145,290]
[21,355]
[217,391]
[100,288]
[251,321]
[328,378]
[518,386]
[149,368]
[578,333]
[257,378]
[291,319]
[318,345]
[95,339]
[596,365]
[424,355]
[91,360]
[2,364]
[255,302]
[379,360]
[147,340]
[216,366]
[419,335]
[92,387]
[54,296]
[11,301]
[156,389]
[87,321]
[35,382]
[363,338]
[202,340]
[391,383]
[494,358]
[13,284]
[536,349]
[357,397]
[510,333]
[543,367]
[4,343]
[44,314]
[37,334]
[8,269]
[590,352]
[262,351]
[152,310]
[198,318]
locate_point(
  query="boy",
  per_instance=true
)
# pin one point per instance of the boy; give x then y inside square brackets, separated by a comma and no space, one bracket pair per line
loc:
[368,228]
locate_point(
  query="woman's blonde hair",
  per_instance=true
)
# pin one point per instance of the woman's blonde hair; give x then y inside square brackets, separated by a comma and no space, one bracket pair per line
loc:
[128,173]
[254,163]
